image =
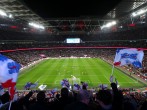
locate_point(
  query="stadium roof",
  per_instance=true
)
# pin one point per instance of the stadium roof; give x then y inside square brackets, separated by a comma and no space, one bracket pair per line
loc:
[70,15]
[126,7]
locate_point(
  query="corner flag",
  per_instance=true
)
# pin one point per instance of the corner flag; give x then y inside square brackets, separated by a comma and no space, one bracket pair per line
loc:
[129,56]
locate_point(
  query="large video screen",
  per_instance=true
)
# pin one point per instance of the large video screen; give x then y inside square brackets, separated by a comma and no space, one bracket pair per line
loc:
[73,40]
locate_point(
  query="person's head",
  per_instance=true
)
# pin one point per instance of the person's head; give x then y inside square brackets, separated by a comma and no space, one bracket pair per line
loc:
[41,96]
[83,96]
[84,87]
[64,92]
[5,97]
[144,106]
[127,105]
[104,96]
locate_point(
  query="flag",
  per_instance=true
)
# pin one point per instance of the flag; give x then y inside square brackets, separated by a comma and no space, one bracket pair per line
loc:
[43,55]
[42,87]
[53,91]
[27,86]
[30,85]
[9,70]
[76,87]
[103,86]
[65,83]
[129,56]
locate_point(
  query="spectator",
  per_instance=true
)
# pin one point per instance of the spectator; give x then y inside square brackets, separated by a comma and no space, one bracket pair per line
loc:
[64,99]
[40,104]
[104,99]
[82,103]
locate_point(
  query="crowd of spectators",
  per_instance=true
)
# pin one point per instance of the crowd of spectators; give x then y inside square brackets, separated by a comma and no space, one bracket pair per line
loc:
[102,99]
[45,44]
[110,99]
[28,56]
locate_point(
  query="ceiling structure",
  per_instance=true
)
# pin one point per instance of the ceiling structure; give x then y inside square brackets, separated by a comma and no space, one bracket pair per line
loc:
[20,11]
[125,7]
[67,17]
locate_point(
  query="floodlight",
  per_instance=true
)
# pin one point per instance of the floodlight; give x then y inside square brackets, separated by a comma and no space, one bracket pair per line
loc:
[109,25]
[139,12]
[113,22]
[102,27]
[134,14]
[2,13]
[10,16]
[36,25]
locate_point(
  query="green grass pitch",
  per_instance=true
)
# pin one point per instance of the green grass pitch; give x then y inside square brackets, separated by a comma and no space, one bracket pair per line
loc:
[94,71]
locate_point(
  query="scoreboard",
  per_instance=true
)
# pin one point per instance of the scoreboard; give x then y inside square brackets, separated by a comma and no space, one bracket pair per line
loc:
[73,40]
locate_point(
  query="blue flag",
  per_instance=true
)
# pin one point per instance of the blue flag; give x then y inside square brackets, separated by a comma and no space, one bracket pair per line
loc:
[65,83]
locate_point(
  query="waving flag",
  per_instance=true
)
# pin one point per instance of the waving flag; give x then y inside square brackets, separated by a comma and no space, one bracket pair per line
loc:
[76,87]
[30,85]
[53,91]
[65,83]
[27,86]
[103,86]
[129,56]
[9,70]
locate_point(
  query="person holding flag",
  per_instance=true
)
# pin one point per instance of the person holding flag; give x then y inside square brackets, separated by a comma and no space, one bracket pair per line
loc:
[9,70]
[127,56]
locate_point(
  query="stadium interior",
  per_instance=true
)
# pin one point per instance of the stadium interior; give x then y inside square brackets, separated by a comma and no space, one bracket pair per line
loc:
[66,50]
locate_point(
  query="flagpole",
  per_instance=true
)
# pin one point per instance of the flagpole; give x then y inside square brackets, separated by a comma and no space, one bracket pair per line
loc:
[10,105]
[112,70]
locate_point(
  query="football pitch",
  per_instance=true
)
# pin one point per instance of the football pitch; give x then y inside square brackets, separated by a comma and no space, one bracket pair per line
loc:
[94,71]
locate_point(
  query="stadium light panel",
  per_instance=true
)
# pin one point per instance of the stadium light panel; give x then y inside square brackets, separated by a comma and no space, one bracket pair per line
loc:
[134,14]
[113,22]
[36,25]
[10,16]
[102,27]
[3,13]
[139,12]
[109,24]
